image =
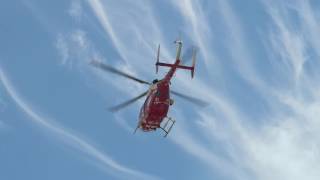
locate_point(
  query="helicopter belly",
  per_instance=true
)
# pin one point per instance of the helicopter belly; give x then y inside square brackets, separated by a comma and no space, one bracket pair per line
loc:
[152,119]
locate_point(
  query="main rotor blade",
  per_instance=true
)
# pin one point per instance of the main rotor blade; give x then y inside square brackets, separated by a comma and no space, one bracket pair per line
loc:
[194,100]
[110,69]
[127,103]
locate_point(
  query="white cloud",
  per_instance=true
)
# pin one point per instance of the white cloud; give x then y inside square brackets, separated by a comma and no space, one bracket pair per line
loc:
[79,37]
[310,20]
[241,55]
[104,161]
[286,143]
[183,139]
[63,49]
[289,43]
[76,9]
[200,32]
[189,142]
[286,146]
[75,49]
[98,9]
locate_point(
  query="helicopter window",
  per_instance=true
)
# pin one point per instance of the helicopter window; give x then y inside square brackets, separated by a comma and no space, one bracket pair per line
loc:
[155,81]
[157,93]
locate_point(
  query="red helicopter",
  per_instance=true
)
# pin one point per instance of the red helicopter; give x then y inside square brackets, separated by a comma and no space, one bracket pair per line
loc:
[153,113]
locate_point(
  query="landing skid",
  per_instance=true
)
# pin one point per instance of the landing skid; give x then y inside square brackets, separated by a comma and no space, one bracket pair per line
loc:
[168,124]
[165,126]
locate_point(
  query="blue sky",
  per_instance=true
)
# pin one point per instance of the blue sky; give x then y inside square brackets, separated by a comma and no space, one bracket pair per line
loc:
[257,66]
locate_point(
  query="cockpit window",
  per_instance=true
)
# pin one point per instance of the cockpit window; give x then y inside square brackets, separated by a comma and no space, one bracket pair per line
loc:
[157,93]
[155,81]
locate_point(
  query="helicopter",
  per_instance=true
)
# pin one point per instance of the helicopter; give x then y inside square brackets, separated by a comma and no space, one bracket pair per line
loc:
[154,111]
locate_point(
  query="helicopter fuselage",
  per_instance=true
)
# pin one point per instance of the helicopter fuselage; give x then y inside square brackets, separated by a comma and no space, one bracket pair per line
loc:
[153,113]
[157,103]
[155,107]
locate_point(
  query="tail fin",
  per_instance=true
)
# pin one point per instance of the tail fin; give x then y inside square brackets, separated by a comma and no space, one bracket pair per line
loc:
[194,53]
[158,54]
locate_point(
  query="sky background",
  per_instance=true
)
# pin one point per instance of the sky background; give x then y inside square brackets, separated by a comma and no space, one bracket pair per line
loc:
[258,67]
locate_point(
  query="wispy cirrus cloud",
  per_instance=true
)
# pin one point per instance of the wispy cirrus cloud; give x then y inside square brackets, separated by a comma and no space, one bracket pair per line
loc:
[76,9]
[198,150]
[289,42]
[75,49]
[238,47]
[311,26]
[286,144]
[276,146]
[70,139]
[198,28]
[108,17]
[97,7]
